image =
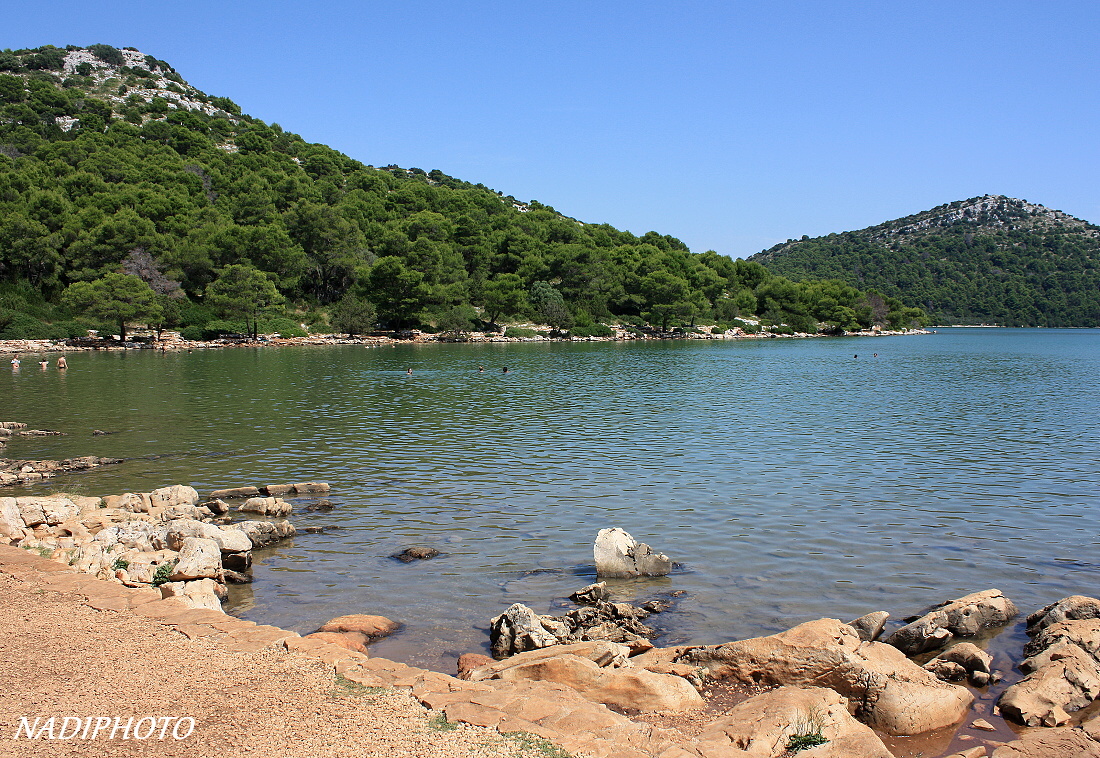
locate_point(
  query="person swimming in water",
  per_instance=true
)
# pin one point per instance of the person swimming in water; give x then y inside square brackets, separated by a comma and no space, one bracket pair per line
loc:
[481,369]
[409,372]
[62,363]
[15,362]
[505,370]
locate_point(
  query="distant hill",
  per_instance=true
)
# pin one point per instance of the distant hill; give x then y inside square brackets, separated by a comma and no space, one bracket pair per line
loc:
[990,259]
[112,167]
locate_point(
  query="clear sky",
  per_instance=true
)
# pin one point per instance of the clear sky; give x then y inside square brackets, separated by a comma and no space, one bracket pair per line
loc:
[731,125]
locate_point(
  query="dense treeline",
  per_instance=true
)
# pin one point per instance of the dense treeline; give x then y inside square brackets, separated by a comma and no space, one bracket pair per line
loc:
[985,260]
[103,185]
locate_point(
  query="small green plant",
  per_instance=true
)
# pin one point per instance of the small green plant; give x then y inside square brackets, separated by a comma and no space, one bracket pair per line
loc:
[120,564]
[441,724]
[164,570]
[344,687]
[45,552]
[532,744]
[807,732]
[518,331]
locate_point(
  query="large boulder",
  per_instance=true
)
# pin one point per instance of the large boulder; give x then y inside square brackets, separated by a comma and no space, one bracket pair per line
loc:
[142,567]
[203,593]
[1062,667]
[141,535]
[229,540]
[12,525]
[199,559]
[601,672]
[517,630]
[786,721]
[176,494]
[889,692]
[964,617]
[617,554]
[134,502]
[46,510]
[264,533]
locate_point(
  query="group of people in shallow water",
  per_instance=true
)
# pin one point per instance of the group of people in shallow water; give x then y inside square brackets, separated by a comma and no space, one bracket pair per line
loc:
[45,364]
[480,370]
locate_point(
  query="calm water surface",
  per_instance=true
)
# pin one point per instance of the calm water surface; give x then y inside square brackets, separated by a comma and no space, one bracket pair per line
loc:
[791,479]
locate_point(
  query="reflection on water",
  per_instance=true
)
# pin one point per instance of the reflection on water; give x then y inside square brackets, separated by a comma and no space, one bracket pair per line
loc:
[791,479]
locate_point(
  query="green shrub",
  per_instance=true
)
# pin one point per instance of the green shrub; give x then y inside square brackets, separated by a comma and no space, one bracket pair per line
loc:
[194,314]
[192,333]
[107,54]
[64,330]
[20,326]
[212,330]
[285,327]
[518,331]
[595,330]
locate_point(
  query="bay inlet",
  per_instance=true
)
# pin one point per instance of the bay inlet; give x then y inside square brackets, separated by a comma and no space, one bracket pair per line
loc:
[791,479]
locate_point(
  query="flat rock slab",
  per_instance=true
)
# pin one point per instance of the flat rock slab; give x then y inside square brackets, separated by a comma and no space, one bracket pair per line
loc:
[108,603]
[159,609]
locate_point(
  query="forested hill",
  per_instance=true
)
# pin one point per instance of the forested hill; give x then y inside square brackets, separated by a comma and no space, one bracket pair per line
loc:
[990,259]
[129,196]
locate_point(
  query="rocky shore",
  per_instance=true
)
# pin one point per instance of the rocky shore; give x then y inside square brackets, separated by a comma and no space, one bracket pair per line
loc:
[171,341]
[591,681]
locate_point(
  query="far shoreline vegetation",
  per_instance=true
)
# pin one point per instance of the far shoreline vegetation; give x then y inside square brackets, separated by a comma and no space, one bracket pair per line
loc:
[129,198]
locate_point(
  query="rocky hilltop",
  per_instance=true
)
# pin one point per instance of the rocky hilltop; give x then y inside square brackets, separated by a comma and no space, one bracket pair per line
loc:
[990,259]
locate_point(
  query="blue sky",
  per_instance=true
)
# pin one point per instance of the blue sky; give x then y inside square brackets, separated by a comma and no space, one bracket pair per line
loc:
[732,125]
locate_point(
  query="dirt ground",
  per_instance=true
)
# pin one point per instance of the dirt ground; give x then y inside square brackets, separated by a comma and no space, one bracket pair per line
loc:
[61,658]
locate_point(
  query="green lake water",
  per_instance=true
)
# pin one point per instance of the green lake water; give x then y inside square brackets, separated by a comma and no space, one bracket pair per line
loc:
[790,479]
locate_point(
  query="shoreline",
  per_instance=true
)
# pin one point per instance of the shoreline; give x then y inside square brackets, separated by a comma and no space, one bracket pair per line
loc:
[171,342]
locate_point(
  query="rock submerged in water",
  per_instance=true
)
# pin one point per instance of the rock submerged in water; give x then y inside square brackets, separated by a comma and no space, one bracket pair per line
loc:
[617,554]
[964,617]
[591,594]
[360,628]
[266,506]
[416,553]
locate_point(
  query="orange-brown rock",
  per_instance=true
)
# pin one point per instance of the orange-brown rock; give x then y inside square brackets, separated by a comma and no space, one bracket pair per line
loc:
[338,638]
[370,627]
[1063,742]
[467,662]
[767,725]
[888,691]
[601,672]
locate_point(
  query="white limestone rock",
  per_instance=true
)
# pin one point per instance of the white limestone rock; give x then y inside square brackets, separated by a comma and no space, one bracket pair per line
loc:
[617,554]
